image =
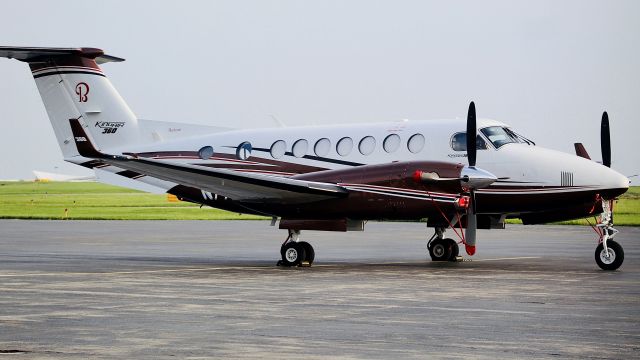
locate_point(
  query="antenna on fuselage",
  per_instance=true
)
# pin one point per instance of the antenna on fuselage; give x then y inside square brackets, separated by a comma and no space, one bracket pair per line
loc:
[277,121]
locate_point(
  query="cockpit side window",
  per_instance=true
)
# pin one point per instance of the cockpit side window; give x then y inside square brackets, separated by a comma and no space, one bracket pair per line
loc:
[459,142]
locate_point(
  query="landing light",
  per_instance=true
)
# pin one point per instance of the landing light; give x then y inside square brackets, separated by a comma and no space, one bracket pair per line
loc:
[462,202]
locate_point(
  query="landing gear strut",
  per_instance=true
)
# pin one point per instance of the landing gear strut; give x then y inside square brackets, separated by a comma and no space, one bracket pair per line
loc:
[442,249]
[609,254]
[295,252]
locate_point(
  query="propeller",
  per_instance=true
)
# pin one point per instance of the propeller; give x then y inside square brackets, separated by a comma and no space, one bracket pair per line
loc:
[472,221]
[471,135]
[471,178]
[605,140]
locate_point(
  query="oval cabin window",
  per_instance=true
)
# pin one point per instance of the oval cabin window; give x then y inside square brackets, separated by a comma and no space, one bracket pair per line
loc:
[344,147]
[391,143]
[243,152]
[322,147]
[367,145]
[416,143]
[300,148]
[278,149]
[205,152]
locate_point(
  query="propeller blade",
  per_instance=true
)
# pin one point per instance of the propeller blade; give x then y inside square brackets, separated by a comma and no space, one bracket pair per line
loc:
[472,225]
[605,140]
[471,134]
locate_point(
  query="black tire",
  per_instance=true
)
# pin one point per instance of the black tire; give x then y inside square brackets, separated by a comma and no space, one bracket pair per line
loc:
[455,250]
[615,251]
[440,250]
[292,254]
[309,253]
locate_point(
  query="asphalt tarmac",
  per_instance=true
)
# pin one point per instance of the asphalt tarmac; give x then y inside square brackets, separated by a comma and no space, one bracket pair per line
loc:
[197,289]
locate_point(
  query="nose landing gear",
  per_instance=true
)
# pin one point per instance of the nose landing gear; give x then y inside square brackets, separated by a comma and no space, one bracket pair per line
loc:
[609,254]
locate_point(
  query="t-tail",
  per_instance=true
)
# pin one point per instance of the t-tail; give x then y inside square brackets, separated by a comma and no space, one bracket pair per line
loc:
[73,86]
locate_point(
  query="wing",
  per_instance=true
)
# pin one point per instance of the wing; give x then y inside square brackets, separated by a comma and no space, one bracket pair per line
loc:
[236,186]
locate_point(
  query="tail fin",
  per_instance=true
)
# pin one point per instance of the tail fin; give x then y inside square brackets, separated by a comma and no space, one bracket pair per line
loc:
[72,86]
[581,151]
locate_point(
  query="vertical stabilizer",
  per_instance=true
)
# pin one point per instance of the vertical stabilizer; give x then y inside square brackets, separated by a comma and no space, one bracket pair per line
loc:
[73,86]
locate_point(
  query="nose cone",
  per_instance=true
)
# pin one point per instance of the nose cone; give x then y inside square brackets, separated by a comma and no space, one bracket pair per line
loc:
[476,178]
[615,184]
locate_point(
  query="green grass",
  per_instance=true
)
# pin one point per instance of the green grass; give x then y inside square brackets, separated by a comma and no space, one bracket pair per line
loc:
[89,200]
[96,201]
[626,211]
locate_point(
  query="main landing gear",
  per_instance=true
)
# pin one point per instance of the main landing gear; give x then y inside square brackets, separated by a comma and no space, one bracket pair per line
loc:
[295,252]
[609,254]
[442,249]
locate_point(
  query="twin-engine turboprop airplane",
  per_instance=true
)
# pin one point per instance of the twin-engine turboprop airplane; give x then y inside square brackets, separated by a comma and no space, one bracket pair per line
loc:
[331,178]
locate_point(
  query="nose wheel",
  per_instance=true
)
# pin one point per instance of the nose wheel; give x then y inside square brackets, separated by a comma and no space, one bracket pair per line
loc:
[610,258]
[609,254]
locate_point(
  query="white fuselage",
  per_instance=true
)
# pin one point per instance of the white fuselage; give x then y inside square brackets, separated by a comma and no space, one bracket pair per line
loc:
[519,165]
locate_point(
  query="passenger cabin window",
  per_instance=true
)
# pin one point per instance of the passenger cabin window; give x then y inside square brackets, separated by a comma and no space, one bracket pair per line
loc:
[459,142]
[278,149]
[300,148]
[322,147]
[391,143]
[416,143]
[367,145]
[205,152]
[243,152]
[344,146]
[499,136]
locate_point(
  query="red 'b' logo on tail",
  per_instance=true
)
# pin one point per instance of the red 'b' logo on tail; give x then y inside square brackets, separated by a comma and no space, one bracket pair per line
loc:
[82,90]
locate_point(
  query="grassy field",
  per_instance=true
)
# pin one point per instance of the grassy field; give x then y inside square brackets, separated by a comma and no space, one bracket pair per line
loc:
[89,200]
[626,211]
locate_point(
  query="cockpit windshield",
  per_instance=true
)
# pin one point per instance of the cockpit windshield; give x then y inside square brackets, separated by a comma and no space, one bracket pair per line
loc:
[499,136]
[459,142]
[519,137]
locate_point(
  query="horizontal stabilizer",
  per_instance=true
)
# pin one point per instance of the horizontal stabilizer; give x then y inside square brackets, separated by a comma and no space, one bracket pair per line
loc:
[38,54]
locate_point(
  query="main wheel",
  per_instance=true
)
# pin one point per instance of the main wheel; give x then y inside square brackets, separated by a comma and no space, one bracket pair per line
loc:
[612,259]
[309,253]
[455,250]
[292,254]
[440,250]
